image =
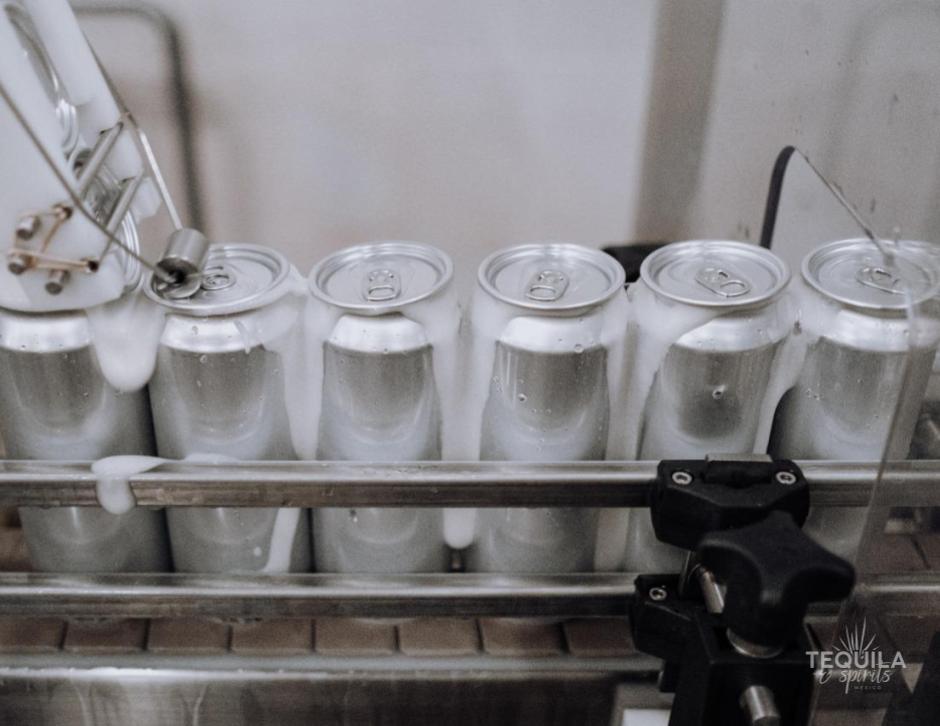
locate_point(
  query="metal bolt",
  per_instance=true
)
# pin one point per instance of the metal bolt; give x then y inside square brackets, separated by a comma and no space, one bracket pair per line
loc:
[759,705]
[682,478]
[785,477]
[17,264]
[27,227]
[56,282]
[658,594]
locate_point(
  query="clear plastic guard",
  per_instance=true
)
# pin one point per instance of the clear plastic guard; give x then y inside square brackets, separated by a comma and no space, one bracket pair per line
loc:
[881,656]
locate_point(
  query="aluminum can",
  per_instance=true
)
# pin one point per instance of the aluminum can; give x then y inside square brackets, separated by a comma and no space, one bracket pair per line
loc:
[544,307]
[856,337]
[218,390]
[380,396]
[723,304]
[55,403]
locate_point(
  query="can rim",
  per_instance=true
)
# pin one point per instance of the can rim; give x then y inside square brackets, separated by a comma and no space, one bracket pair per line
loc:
[914,249]
[336,260]
[496,261]
[257,299]
[646,273]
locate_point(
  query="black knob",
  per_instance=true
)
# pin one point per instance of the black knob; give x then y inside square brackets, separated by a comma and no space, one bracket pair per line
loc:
[772,572]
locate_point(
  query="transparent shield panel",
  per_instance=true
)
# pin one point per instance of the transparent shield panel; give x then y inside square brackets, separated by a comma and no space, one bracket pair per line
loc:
[867,399]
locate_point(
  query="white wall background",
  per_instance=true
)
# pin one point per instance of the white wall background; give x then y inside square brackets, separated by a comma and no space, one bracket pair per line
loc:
[480,124]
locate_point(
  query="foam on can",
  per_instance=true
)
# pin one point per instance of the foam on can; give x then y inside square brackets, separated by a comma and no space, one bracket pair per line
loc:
[382,326]
[546,349]
[855,336]
[56,403]
[219,390]
[711,320]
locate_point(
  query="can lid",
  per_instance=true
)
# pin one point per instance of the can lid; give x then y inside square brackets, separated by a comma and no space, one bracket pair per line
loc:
[235,278]
[380,276]
[715,273]
[855,272]
[552,276]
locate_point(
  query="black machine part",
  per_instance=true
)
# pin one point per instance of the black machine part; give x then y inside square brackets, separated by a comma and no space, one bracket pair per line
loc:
[693,498]
[772,571]
[737,656]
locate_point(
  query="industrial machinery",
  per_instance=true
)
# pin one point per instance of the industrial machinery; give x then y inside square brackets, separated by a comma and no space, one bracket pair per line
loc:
[425,605]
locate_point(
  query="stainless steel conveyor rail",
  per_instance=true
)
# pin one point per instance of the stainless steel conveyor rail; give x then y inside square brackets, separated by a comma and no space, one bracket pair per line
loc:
[432,484]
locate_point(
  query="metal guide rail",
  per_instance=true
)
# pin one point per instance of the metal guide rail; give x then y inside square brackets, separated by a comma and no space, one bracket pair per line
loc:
[431,484]
[313,595]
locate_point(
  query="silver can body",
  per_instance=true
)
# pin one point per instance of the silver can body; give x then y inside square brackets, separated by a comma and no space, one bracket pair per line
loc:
[850,385]
[563,416]
[707,394]
[56,404]
[548,398]
[216,392]
[380,402]
[709,386]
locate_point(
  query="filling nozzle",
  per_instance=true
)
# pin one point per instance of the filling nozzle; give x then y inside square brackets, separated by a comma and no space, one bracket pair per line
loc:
[184,257]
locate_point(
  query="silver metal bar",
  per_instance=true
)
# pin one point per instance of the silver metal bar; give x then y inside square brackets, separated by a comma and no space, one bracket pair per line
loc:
[322,595]
[430,484]
[909,592]
[144,145]
[99,153]
[129,189]
[314,595]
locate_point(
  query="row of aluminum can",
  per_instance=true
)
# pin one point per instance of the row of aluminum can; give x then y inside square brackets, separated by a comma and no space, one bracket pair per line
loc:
[714,350]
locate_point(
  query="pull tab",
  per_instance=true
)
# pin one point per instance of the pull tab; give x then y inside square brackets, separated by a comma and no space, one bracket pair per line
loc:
[880,279]
[216,278]
[547,286]
[381,285]
[721,282]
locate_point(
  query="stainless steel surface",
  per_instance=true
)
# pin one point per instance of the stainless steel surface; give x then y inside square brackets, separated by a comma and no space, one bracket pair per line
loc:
[218,391]
[758,703]
[379,596]
[547,399]
[380,399]
[56,404]
[849,389]
[451,693]
[433,484]
[315,595]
